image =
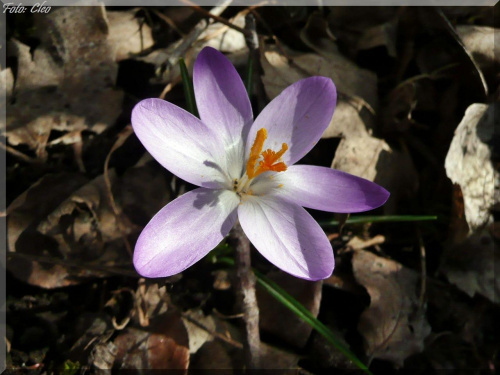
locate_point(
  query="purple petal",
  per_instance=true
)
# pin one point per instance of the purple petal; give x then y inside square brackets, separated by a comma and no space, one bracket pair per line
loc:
[297,117]
[184,231]
[330,190]
[287,236]
[221,97]
[180,142]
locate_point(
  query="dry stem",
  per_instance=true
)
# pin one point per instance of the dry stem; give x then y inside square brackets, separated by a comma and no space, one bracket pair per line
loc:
[248,298]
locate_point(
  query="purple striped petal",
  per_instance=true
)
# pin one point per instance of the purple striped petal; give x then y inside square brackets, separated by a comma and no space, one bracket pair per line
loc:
[287,236]
[297,117]
[330,190]
[221,96]
[181,143]
[184,231]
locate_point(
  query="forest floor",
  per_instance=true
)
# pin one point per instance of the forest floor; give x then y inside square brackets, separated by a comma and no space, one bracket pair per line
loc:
[414,286]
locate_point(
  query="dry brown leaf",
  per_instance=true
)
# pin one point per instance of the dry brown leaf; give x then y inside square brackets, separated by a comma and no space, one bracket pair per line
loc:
[276,359]
[141,192]
[280,321]
[61,237]
[93,331]
[127,36]
[383,35]
[216,35]
[223,38]
[469,164]
[28,209]
[373,159]
[163,346]
[351,27]
[217,355]
[317,36]
[394,325]
[471,266]
[197,335]
[213,355]
[66,84]
[358,243]
[151,301]
[66,230]
[84,222]
[356,88]
[443,49]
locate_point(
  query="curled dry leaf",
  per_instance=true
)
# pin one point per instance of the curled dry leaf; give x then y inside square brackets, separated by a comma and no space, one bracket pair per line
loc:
[480,42]
[394,325]
[469,164]
[66,83]
[356,88]
[280,321]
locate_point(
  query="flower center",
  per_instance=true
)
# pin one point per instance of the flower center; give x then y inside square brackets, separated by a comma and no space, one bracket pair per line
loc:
[270,159]
[259,162]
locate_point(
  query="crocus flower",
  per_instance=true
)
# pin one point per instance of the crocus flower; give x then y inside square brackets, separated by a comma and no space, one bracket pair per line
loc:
[245,170]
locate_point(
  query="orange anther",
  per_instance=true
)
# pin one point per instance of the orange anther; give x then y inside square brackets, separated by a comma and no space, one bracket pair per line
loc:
[269,160]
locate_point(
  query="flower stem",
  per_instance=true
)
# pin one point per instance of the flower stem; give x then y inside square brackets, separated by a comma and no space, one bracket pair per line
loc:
[247,296]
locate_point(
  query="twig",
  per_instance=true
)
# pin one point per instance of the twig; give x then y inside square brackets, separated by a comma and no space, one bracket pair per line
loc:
[122,137]
[20,155]
[216,17]
[168,21]
[169,87]
[222,316]
[248,298]
[277,40]
[213,333]
[423,270]
[252,42]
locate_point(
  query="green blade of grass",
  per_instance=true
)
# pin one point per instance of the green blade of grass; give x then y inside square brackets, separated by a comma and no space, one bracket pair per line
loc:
[249,74]
[303,313]
[187,84]
[379,219]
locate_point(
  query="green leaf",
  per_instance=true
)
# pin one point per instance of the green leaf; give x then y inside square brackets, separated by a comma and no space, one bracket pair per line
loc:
[187,84]
[70,368]
[379,219]
[303,313]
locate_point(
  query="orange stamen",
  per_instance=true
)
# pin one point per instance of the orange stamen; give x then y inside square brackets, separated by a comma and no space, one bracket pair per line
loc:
[269,160]
[255,151]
